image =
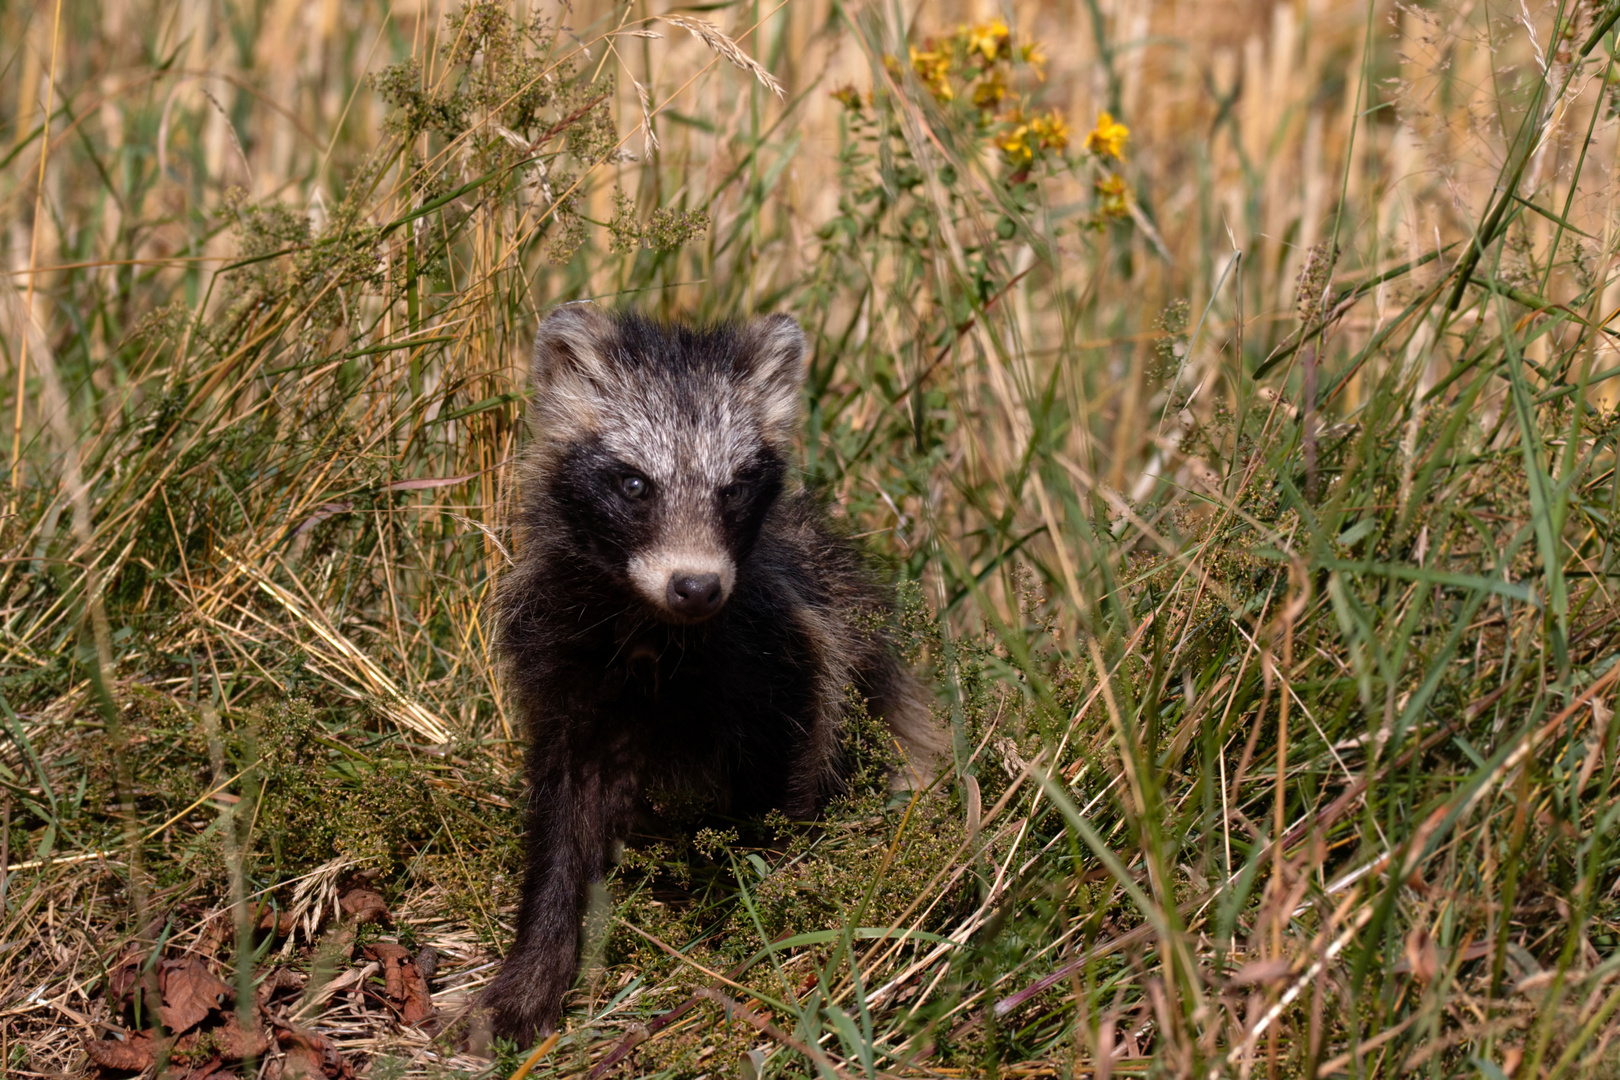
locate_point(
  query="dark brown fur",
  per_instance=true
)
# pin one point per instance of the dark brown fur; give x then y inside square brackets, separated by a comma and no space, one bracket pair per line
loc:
[617,694]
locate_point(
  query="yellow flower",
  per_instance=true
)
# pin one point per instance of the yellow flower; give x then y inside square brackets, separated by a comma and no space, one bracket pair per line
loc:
[1111,196]
[933,67]
[990,92]
[1107,139]
[848,96]
[1035,58]
[1015,144]
[1050,129]
[988,38]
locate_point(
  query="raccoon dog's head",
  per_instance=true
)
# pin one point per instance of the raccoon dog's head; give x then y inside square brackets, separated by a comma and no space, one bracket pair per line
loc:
[661,448]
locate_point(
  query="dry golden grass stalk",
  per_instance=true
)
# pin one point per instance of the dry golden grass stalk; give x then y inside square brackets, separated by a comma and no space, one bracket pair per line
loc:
[716,39]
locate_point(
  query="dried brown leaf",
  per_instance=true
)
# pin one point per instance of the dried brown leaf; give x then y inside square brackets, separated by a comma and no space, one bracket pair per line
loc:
[282,982]
[212,1069]
[133,1054]
[310,1055]
[281,923]
[124,976]
[403,982]
[364,906]
[227,1040]
[190,992]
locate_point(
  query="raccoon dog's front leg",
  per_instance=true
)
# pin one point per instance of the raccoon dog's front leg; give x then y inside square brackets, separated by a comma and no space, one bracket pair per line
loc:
[576,813]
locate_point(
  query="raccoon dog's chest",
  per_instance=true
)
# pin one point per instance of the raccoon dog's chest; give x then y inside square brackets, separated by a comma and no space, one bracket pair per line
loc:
[718,711]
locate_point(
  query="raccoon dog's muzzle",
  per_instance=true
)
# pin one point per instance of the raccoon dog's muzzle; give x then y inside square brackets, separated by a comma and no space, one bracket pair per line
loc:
[686,586]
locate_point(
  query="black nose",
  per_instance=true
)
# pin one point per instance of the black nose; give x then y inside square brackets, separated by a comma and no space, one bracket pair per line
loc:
[695,595]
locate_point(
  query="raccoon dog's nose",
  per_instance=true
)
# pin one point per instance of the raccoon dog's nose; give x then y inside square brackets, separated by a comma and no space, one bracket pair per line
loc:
[694,595]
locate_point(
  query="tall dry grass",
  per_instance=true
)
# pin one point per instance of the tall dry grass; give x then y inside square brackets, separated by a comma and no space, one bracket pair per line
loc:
[1257,524]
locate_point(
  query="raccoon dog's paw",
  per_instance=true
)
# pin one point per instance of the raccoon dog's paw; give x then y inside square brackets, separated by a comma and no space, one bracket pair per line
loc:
[520,1005]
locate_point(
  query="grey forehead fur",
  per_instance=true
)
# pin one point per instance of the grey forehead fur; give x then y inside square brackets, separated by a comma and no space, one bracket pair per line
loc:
[683,423]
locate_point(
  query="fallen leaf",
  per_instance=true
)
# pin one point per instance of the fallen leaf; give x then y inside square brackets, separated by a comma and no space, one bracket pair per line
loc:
[213,1069]
[227,1040]
[124,976]
[279,923]
[403,982]
[364,906]
[134,1054]
[190,992]
[280,982]
[310,1055]
[391,957]
[212,941]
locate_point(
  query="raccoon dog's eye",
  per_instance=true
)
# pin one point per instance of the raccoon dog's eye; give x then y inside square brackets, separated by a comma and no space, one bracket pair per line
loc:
[732,494]
[632,486]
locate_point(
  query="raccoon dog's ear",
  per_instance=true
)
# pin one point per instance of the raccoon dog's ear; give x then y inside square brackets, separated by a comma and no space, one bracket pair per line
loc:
[775,351]
[574,341]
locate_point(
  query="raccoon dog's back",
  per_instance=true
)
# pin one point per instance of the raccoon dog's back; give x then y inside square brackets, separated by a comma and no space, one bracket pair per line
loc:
[679,617]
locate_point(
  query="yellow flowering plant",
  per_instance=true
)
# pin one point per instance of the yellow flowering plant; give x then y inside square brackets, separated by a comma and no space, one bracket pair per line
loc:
[973,74]
[904,196]
[975,68]
[1021,139]
[991,39]
[1106,142]
[1111,196]
[1107,139]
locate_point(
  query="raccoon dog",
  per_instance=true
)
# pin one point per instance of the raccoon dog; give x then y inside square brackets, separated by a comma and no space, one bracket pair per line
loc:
[680,617]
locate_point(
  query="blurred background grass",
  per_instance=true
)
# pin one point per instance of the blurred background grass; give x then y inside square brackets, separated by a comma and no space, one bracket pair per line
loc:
[1227,384]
